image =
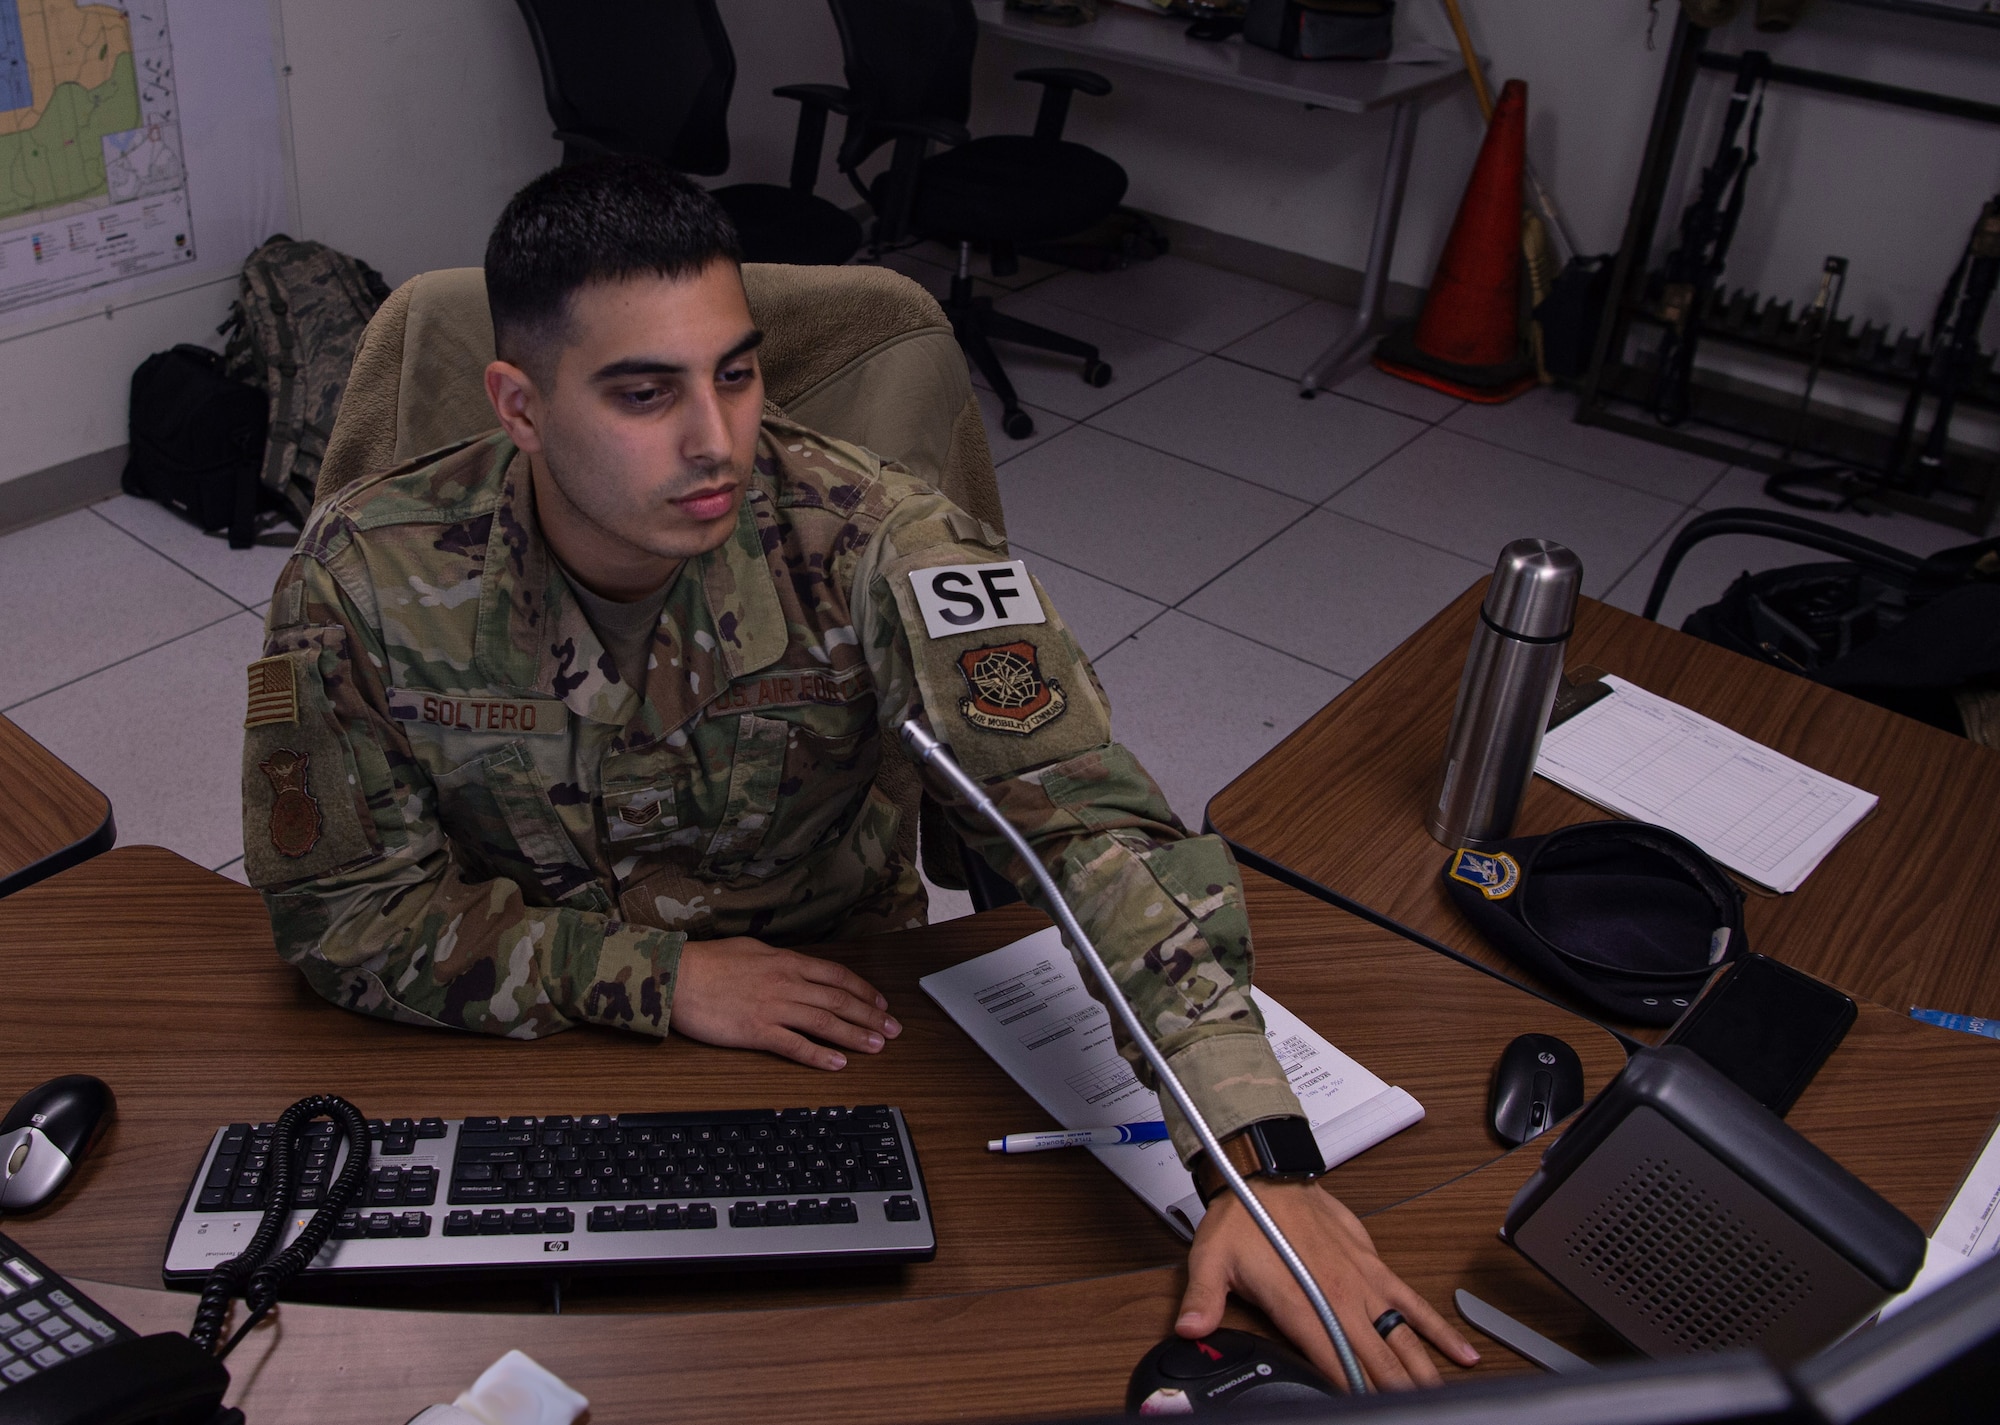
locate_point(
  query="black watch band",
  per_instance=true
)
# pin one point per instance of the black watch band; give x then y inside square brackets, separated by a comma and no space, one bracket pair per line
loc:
[1279,1148]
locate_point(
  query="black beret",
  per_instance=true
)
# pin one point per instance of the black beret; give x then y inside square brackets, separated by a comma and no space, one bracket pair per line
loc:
[1630,918]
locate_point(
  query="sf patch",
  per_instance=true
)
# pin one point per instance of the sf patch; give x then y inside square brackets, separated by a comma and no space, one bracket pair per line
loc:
[1493,874]
[1009,693]
[970,598]
[295,821]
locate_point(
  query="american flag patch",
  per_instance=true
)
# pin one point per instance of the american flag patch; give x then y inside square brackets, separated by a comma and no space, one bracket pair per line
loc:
[274,692]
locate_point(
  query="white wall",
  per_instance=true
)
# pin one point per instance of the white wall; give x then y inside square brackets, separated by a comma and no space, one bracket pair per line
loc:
[63,391]
[412,120]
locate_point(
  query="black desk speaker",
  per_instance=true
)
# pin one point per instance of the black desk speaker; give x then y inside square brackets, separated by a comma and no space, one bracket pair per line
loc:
[1690,1218]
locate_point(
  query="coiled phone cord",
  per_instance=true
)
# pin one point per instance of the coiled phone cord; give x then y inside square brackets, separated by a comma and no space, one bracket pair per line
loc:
[247,1274]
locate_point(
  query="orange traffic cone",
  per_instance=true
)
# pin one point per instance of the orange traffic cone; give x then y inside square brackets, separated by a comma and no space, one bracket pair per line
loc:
[1468,341]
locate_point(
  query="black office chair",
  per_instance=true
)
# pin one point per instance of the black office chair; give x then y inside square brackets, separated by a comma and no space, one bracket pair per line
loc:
[654,77]
[909,81]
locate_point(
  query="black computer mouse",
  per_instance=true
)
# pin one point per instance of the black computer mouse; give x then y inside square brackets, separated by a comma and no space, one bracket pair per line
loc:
[45,1135]
[1222,1371]
[1537,1083]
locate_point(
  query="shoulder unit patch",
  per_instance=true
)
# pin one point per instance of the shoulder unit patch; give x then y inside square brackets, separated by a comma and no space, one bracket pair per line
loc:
[295,817]
[1009,693]
[1494,874]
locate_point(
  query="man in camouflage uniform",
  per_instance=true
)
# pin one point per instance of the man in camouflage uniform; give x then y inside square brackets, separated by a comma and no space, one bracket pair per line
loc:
[579,722]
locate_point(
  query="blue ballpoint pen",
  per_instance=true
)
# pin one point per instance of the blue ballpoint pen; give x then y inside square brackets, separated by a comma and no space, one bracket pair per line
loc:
[1153,1132]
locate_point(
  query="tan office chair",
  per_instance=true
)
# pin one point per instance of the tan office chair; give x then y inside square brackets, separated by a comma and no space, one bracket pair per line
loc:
[861,353]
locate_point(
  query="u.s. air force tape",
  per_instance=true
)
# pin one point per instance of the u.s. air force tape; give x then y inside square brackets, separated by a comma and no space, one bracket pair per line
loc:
[480,712]
[964,598]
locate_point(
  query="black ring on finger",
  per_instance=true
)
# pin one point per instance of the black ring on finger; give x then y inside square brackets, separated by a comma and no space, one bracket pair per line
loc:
[1388,1321]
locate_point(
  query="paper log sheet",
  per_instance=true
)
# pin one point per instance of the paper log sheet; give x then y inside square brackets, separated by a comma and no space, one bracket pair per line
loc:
[1025,1004]
[1967,1234]
[1756,811]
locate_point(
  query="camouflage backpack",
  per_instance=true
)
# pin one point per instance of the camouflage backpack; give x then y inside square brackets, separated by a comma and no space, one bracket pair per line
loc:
[293,332]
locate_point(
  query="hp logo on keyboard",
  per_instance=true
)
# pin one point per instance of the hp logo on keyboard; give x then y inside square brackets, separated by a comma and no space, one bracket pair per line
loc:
[556,1244]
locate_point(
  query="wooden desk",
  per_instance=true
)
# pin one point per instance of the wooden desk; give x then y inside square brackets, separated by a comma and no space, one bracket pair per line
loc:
[1905,911]
[1031,1353]
[960,1356]
[160,977]
[50,818]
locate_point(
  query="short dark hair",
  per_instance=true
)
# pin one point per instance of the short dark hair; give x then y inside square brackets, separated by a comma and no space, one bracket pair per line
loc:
[602,221]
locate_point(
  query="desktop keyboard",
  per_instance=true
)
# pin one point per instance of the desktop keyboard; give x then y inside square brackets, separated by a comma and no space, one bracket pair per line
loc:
[795,1187]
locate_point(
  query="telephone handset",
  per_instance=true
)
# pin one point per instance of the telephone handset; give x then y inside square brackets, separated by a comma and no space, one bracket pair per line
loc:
[64,1360]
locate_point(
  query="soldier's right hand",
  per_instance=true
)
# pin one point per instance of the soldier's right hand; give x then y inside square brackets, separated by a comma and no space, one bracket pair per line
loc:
[744,994]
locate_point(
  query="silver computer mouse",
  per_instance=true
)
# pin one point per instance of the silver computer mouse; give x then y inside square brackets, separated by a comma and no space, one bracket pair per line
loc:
[45,1135]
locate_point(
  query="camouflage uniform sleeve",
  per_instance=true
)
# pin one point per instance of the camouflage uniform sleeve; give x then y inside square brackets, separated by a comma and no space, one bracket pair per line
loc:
[1023,713]
[341,836]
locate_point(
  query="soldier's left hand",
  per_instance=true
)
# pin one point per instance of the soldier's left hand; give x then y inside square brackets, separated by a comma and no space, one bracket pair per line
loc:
[1230,1254]
[743,994]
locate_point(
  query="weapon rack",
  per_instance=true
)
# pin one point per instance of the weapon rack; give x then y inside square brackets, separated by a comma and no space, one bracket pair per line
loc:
[1969,492]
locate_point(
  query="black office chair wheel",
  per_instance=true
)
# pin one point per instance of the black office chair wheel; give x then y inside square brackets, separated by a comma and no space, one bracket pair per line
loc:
[1097,373]
[1019,424]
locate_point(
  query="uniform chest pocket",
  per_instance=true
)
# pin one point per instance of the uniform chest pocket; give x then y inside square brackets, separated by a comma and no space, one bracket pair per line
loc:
[498,815]
[756,767]
[795,786]
[826,776]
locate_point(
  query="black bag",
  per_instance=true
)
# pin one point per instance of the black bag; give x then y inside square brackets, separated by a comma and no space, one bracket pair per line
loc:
[1571,314]
[197,441]
[1917,636]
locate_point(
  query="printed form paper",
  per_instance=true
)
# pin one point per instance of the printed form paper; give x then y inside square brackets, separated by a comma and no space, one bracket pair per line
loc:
[1025,1004]
[1756,811]
[1968,1233]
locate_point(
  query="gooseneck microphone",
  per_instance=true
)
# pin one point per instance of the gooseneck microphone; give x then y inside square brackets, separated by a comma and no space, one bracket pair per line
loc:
[927,749]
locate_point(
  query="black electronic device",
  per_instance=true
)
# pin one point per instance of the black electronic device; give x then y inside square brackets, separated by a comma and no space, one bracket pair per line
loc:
[1286,1148]
[796,1187]
[1767,1027]
[65,1360]
[1937,1360]
[1314,29]
[1689,1218]
[45,1135]
[1536,1085]
[1222,1371]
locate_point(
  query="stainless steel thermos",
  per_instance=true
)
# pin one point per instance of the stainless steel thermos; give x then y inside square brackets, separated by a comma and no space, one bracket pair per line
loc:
[1511,676]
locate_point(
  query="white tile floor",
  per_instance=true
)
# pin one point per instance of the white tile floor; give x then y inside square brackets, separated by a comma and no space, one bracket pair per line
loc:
[1231,556]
